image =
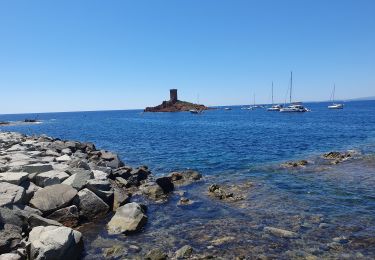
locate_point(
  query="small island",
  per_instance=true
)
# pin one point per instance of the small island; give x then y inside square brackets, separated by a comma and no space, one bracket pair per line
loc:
[175,105]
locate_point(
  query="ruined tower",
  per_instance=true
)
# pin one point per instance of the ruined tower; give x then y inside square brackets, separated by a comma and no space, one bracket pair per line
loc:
[173,95]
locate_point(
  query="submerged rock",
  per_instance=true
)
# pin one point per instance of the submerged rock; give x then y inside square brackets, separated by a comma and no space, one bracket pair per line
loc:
[53,242]
[128,218]
[280,232]
[156,254]
[338,157]
[220,193]
[301,163]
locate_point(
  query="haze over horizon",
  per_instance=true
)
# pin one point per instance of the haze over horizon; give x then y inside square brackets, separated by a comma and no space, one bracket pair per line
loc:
[96,55]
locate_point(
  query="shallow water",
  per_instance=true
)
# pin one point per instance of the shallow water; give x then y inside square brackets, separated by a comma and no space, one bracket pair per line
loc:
[320,203]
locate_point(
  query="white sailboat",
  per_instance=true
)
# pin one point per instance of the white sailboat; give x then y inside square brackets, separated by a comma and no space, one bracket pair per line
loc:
[274,107]
[335,105]
[296,106]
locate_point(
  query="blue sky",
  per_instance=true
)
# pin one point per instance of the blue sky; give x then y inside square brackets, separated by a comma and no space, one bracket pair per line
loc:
[96,55]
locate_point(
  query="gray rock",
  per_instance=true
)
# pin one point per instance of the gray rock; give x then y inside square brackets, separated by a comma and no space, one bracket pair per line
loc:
[53,197]
[102,188]
[13,177]
[79,178]
[37,168]
[120,198]
[79,164]
[36,220]
[10,237]
[63,158]
[50,178]
[90,205]
[13,216]
[52,153]
[53,242]
[68,216]
[11,194]
[128,218]
[184,252]
[30,189]
[66,151]
[100,175]
[280,232]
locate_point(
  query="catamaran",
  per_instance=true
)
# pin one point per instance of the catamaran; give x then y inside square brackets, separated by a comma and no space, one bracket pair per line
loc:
[274,107]
[335,105]
[293,106]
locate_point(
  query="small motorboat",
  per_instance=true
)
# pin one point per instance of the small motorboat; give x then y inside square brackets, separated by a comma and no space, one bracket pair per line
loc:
[336,106]
[227,108]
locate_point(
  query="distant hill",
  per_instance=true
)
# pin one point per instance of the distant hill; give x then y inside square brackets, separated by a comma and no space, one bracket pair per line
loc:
[361,99]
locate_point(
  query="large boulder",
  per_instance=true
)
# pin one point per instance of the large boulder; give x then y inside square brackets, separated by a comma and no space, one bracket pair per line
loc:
[63,158]
[68,216]
[79,178]
[102,188]
[11,194]
[34,169]
[30,189]
[90,205]
[53,242]
[13,177]
[128,218]
[50,178]
[10,237]
[53,197]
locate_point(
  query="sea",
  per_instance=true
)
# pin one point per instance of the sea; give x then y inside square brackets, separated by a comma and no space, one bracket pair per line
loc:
[330,207]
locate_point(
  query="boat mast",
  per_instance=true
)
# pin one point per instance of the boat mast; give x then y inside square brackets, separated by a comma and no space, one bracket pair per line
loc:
[254,99]
[272,93]
[333,95]
[291,87]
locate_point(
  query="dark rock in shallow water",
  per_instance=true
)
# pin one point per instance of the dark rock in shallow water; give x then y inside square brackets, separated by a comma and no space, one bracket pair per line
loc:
[53,197]
[224,194]
[120,198]
[166,184]
[68,216]
[338,157]
[185,177]
[301,163]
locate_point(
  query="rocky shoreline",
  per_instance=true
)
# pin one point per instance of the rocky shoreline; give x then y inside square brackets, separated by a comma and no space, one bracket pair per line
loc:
[50,187]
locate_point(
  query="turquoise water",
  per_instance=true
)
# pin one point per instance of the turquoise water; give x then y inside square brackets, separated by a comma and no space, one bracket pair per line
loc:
[234,147]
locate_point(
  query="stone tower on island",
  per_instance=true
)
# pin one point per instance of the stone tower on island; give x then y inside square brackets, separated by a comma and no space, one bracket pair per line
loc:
[173,95]
[175,105]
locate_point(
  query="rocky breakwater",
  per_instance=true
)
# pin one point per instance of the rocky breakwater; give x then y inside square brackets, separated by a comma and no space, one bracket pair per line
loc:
[49,187]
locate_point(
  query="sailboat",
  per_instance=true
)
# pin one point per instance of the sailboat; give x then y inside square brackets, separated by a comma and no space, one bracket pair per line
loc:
[196,111]
[335,105]
[274,107]
[296,106]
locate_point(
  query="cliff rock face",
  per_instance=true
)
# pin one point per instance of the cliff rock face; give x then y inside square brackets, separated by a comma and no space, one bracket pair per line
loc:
[177,106]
